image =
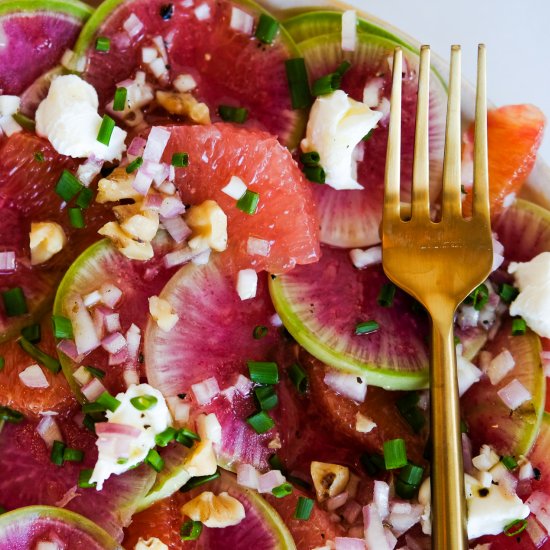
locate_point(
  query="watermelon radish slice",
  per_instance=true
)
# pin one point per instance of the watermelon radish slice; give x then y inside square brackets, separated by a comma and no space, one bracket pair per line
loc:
[214,338]
[352,218]
[27,195]
[261,528]
[29,477]
[230,67]
[26,527]
[138,280]
[40,31]
[285,216]
[489,419]
[321,305]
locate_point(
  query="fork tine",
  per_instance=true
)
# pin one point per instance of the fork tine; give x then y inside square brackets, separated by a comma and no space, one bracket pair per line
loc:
[481,171]
[451,204]
[393,154]
[421,167]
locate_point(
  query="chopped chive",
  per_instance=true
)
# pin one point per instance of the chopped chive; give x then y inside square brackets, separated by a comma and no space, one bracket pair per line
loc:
[478,297]
[89,422]
[180,160]
[368,136]
[25,122]
[106,130]
[326,84]
[39,156]
[456,340]
[267,397]
[515,527]
[464,428]
[108,401]
[304,507]
[395,454]
[102,44]
[2,363]
[387,294]
[343,68]
[200,480]
[248,203]
[84,479]
[134,165]
[366,327]
[296,74]
[166,11]
[409,480]
[154,460]
[14,302]
[404,490]
[311,158]
[163,438]
[32,333]
[508,293]
[119,101]
[10,415]
[267,29]
[373,463]
[298,377]
[259,332]
[56,454]
[190,530]
[519,327]
[94,407]
[144,402]
[76,218]
[275,462]
[187,437]
[96,373]
[67,186]
[43,358]
[282,490]
[85,197]
[233,114]
[409,410]
[73,455]
[510,462]
[316,174]
[263,372]
[261,422]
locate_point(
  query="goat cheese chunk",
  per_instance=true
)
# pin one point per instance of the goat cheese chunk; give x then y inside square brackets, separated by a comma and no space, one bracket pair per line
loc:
[336,125]
[129,433]
[68,118]
[533,302]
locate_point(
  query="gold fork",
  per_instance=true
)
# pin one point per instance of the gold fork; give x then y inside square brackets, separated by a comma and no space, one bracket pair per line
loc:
[440,264]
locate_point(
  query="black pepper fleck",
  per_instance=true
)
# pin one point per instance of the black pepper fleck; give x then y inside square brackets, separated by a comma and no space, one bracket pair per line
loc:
[166,11]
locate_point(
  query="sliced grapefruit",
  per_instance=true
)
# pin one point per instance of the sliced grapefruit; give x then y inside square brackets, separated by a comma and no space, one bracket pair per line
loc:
[40,31]
[285,215]
[514,134]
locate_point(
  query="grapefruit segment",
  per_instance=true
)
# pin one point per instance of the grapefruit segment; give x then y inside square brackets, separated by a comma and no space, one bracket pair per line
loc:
[285,216]
[230,67]
[514,134]
[29,526]
[40,31]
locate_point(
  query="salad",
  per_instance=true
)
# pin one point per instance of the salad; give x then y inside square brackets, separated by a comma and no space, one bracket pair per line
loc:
[198,345]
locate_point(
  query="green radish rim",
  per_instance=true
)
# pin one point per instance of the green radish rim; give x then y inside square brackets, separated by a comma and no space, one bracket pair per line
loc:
[376,376]
[75,520]
[74,7]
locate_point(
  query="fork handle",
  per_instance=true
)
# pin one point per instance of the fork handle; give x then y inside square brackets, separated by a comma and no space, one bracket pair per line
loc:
[447,477]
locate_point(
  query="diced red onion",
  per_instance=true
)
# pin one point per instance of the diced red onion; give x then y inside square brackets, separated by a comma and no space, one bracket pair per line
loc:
[514,394]
[202,12]
[372,90]
[381,497]
[115,439]
[105,429]
[156,143]
[112,322]
[355,532]
[375,537]
[7,261]
[351,511]
[110,294]
[349,30]
[508,200]
[49,430]
[247,284]
[98,316]
[390,539]
[153,201]
[229,393]
[258,247]
[498,254]
[118,358]
[148,54]
[179,409]
[526,471]
[500,366]
[468,316]
[402,522]
[159,43]
[243,385]
[275,320]
[89,170]
[349,385]
[545,358]
[131,376]
[171,207]
[467,454]
[82,375]
[535,531]
[85,336]
[248,476]
[92,299]
[133,340]
[93,389]
[363,258]
[34,377]
[268,481]
[179,231]
[68,347]
[241,21]
[133,25]
[113,342]
[142,182]
[539,504]
[236,187]
[202,257]
[205,391]
[137,146]
[336,502]
[66,498]
[348,543]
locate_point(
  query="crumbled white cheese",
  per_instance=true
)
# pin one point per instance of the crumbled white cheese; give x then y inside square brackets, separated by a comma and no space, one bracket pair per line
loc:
[336,125]
[364,258]
[184,83]
[46,240]
[68,117]
[533,302]
[468,374]
[149,422]
[364,424]
[161,311]
[9,105]
[247,284]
